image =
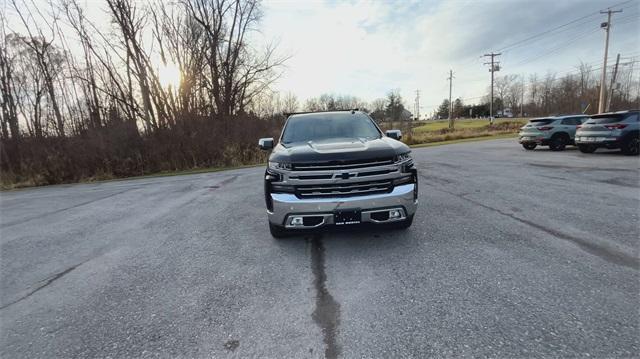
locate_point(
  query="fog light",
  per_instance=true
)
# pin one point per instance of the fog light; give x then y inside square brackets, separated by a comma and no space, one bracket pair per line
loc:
[394,213]
[297,221]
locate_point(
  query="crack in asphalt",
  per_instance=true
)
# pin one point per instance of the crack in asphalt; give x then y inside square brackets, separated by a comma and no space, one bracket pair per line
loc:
[605,252]
[47,281]
[617,181]
[222,183]
[9,224]
[327,311]
[228,180]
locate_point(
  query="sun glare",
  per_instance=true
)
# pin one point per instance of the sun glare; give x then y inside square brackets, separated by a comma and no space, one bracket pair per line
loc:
[169,75]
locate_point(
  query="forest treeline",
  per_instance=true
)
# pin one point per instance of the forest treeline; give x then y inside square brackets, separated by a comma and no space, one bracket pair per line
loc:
[165,86]
[571,92]
[79,101]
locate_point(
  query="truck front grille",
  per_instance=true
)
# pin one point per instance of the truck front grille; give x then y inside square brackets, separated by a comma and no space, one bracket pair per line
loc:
[343,189]
[341,165]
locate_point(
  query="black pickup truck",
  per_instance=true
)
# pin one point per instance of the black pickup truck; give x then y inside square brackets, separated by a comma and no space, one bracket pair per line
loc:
[338,168]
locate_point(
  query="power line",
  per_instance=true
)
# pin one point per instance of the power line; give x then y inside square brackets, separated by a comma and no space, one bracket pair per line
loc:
[562,46]
[540,36]
[546,32]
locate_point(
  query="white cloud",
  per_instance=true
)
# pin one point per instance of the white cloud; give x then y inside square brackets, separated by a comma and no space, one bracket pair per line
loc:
[366,48]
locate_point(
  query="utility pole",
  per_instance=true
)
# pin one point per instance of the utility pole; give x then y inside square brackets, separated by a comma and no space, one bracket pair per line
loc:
[606,26]
[522,98]
[495,66]
[450,78]
[417,105]
[613,82]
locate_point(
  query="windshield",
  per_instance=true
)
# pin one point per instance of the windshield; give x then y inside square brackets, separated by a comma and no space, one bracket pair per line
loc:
[540,122]
[314,127]
[603,120]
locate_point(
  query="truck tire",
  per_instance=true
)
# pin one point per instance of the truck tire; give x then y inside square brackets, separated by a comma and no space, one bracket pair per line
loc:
[587,148]
[529,146]
[558,142]
[631,145]
[277,231]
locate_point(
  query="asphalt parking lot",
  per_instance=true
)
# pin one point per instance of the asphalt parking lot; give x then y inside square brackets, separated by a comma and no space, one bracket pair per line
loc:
[512,253]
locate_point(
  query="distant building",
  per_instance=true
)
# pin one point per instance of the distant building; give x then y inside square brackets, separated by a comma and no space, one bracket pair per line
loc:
[406,115]
[505,113]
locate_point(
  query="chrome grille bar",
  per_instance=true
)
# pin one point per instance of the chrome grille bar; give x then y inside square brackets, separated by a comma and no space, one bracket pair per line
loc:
[340,166]
[347,189]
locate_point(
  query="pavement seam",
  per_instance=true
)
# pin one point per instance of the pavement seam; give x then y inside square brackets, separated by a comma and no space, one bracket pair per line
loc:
[47,281]
[327,311]
[6,225]
[607,253]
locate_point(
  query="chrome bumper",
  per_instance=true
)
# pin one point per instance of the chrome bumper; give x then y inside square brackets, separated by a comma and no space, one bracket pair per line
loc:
[286,205]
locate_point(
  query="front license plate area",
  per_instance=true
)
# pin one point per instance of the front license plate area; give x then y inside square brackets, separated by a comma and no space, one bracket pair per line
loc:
[347,216]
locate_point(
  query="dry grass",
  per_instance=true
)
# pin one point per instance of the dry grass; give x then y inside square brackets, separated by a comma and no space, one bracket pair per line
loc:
[437,131]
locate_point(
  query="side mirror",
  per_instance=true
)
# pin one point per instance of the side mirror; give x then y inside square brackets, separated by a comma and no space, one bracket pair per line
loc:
[395,134]
[265,143]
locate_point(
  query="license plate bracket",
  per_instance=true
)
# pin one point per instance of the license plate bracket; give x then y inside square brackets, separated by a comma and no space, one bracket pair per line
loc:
[347,216]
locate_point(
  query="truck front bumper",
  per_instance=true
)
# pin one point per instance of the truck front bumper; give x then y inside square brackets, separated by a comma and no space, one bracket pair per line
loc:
[320,211]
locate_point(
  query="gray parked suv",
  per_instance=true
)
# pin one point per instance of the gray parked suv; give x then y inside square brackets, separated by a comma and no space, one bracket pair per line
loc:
[555,132]
[611,130]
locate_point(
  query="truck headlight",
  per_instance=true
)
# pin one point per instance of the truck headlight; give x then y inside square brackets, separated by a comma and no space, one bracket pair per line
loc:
[402,157]
[280,166]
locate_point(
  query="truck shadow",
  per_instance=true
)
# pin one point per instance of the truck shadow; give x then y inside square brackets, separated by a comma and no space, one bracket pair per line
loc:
[359,231]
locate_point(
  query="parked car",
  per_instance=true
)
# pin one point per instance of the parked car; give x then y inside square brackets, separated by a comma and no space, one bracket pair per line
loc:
[611,130]
[555,132]
[337,169]
[504,113]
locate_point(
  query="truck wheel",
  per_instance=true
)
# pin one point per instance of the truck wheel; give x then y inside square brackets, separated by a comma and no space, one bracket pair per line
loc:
[277,231]
[405,224]
[631,146]
[558,142]
[587,148]
[529,146]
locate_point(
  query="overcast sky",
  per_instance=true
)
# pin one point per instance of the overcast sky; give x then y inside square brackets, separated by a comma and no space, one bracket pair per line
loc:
[366,48]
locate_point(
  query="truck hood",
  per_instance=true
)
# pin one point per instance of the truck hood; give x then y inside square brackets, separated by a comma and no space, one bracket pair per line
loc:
[338,149]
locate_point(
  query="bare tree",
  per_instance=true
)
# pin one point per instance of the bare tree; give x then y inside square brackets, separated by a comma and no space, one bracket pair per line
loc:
[290,103]
[7,86]
[48,58]
[131,20]
[503,85]
[515,93]
[546,89]
[237,73]
[584,77]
